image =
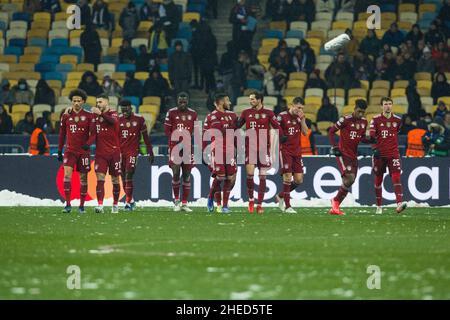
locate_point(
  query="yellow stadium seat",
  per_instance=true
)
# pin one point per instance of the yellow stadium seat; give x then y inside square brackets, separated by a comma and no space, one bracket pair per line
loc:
[364,84]
[373,100]
[145,25]
[16,117]
[352,100]
[29,67]
[293,92]
[21,108]
[116,42]
[141,75]
[32,51]
[422,76]
[406,7]
[348,109]
[381,84]
[263,58]
[66,91]
[278,25]
[319,34]
[360,92]
[69,59]
[269,42]
[401,84]
[426,7]
[379,92]
[445,99]
[323,126]
[312,100]
[360,24]
[364,15]
[296,84]
[119,75]
[399,109]
[75,75]
[8,58]
[315,92]
[311,116]
[152,100]
[424,92]
[339,92]
[266,50]
[380,33]
[72,83]
[404,25]
[149,108]
[298,76]
[189,16]
[37,33]
[424,84]
[398,92]
[54,84]
[44,25]
[29,59]
[85,67]
[42,16]
[343,24]
[91,100]
[314,42]
[289,99]
[60,16]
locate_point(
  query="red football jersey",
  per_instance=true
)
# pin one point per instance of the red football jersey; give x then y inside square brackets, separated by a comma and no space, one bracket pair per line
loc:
[179,120]
[74,130]
[107,133]
[385,131]
[220,121]
[292,128]
[130,133]
[352,132]
[257,120]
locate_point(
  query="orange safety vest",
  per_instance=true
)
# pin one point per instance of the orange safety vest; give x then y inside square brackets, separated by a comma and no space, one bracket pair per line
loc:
[305,144]
[33,148]
[415,146]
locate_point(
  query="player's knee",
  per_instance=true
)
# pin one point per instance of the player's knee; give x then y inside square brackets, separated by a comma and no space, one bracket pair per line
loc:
[349,180]
[186,176]
[83,178]
[115,180]
[129,175]
[100,177]
[298,180]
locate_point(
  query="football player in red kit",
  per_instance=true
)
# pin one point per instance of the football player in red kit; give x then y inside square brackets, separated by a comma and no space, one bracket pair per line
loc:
[353,129]
[105,129]
[293,124]
[132,126]
[384,128]
[74,132]
[180,121]
[222,164]
[259,120]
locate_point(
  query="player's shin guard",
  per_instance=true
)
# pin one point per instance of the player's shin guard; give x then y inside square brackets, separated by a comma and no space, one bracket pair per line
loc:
[226,192]
[128,191]
[186,192]
[68,191]
[116,193]
[287,194]
[342,193]
[379,189]
[397,187]
[261,189]
[176,190]
[100,191]
[215,187]
[83,192]
[250,186]
[293,186]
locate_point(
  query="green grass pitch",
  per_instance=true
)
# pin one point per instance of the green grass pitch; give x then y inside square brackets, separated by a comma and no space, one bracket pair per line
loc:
[154,253]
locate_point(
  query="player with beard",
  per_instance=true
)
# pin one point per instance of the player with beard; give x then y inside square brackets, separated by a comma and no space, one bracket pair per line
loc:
[180,120]
[222,163]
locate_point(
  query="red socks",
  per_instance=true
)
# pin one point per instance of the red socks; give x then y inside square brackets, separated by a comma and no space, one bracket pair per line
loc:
[176,189]
[116,193]
[186,192]
[100,192]
[68,191]
[83,192]
[287,194]
[342,193]
[261,189]
[397,186]
[226,192]
[128,190]
[379,189]
[292,188]
[215,186]
[250,187]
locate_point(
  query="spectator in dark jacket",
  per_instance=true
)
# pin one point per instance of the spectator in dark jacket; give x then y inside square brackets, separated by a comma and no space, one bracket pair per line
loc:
[441,110]
[132,86]
[85,12]
[89,84]
[226,67]
[6,124]
[414,103]
[127,54]
[407,125]
[426,63]
[101,18]
[5,92]
[239,79]
[291,10]
[282,61]
[274,10]
[440,87]
[26,125]
[21,93]
[47,116]
[308,57]
[90,41]
[328,111]
[129,21]
[434,35]
[156,85]
[149,11]
[208,61]
[282,45]
[170,18]
[197,50]
[314,81]
[180,69]
[370,45]
[143,59]
[44,94]
[415,35]
[51,6]
[307,11]
[393,37]
[339,71]
[238,18]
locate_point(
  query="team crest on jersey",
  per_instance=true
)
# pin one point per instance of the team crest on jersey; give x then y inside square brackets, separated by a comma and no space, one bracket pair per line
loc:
[134,123]
[128,125]
[83,118]
[189,117]
[263,115]
[183,118]
[363,125]
[294,122]
[101,119]
[395,124]
[77,119]
[213,117]
[357,126]
[349,168]
[257,116]
[388,124]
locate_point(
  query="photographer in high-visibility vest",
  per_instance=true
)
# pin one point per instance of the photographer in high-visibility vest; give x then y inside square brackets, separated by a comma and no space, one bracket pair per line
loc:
[38,141]
[307,143]
[437,139]
[414,144]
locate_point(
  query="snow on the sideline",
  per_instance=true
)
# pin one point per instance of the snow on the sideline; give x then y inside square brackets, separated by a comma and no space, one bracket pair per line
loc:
[13,199]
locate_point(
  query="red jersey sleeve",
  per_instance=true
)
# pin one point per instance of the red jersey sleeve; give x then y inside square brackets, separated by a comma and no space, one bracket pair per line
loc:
[62,133]
[168,125]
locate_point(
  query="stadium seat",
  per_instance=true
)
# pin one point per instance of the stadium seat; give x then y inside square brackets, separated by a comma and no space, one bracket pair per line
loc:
[150,108]
[254,84]
[379,92]
[399,109]
[298,76]
[45,67]
[134,100]
[135,43]
[342,15]
[157,100]
[295,34]
[141,75]
[278,25]
[106,67]
[422,76]
[294,92]
[323,126]
[424,92]
[299,25]
[274,34]
[352,100]
[20,108]
[342,24]
[316,92]
[126,67]
[189,16]
[401,84]
[54,76]
[296,84]
[49,59]
[42,107]
[426,84]
[83,67]
[406,7]
[445,99]
[292,42]
[313,101]
[357,92]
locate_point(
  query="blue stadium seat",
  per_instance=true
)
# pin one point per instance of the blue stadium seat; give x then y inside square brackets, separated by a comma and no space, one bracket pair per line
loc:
[74,50]
[55,76]
[163,67]
[55,51]
[60,42]
[49,58]
[298,34]
[23,16]
[183,41]
[64,67]
[204,2]
[18,51]
[387,7]
[273,34]
[134,100]
[45,67]
[184,33]
[425,24]
[110,59]
[37,42]
[125,67]
[3,26]
[429,15]
[254,84]
[200,8]
[17,42]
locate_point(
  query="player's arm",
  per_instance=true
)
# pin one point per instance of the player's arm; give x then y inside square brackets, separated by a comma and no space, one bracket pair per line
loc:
[146,137]
[304,126]
[110,118]
[168,126]
[373,138]
[240,121]
[92,134]
[62,137]
[332,137]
